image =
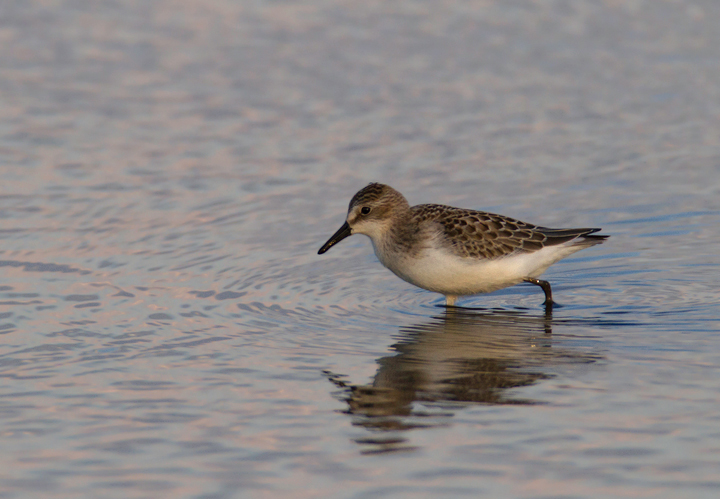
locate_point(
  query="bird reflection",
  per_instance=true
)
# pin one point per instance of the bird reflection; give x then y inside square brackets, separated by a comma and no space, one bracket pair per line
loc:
[462,357]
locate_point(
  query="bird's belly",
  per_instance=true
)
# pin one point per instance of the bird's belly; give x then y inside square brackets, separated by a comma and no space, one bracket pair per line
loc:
[449,274]
[436,269]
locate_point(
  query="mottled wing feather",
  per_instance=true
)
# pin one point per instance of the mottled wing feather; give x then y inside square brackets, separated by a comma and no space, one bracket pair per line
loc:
[477,234]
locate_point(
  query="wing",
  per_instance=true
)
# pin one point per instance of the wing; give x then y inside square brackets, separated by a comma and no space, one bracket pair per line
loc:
[477,234]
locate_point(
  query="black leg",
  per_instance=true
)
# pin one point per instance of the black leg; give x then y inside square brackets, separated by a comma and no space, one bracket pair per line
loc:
[548,317]
[545,287]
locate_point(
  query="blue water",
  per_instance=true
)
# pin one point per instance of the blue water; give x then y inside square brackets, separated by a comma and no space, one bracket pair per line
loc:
[169,171]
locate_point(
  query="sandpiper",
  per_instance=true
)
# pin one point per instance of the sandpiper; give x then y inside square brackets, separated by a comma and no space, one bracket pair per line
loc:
[454,251]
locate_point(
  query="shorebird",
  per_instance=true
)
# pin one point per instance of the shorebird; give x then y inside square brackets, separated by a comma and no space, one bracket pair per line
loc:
[454,251]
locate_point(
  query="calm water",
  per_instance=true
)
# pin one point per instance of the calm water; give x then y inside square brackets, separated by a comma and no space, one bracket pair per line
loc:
[169,170]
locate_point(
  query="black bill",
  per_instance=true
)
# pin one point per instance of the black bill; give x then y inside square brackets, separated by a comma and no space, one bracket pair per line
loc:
[341,234]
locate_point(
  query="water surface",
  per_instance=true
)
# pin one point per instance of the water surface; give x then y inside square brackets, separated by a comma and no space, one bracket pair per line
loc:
[169,170]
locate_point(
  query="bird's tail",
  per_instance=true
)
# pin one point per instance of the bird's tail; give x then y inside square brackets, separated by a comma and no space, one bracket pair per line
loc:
[576,237]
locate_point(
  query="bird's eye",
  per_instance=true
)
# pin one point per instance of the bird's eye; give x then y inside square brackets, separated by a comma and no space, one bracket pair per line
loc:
[365,210]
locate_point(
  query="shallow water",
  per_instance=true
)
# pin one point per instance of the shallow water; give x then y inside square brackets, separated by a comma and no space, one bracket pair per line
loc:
[169,170]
